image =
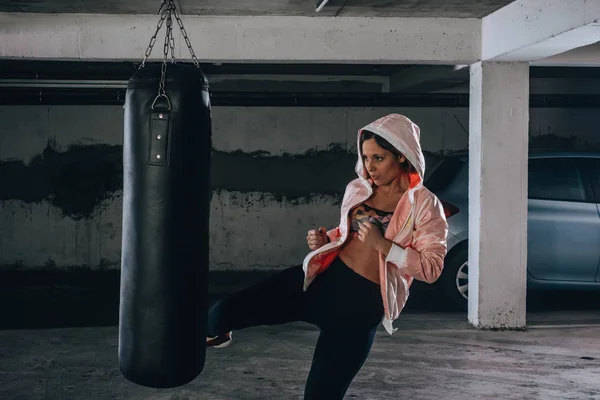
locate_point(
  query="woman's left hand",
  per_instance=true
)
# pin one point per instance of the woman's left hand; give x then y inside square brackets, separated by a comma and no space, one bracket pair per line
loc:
[370,235]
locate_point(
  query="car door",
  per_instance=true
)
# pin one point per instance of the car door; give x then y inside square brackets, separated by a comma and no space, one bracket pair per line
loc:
[563,229]
[593,169]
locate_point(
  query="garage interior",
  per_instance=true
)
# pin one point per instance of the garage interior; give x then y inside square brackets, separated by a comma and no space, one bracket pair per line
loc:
[290,86]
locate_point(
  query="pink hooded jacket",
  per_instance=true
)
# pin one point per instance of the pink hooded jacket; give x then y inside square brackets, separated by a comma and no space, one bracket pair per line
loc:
[417,229]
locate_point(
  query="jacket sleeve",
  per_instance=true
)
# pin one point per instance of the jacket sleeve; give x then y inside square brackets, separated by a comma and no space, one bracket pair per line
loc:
[423,259]
[334,234]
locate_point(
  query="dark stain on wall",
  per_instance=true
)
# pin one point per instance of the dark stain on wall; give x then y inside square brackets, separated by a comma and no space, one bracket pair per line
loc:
[295,177]
[79,179]
[76,181]
[249,200]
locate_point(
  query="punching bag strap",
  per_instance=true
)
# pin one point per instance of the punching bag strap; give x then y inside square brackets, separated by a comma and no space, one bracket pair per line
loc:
[160,127]
[161,96]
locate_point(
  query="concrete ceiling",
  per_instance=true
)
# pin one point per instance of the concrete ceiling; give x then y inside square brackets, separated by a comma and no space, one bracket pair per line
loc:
[367,8]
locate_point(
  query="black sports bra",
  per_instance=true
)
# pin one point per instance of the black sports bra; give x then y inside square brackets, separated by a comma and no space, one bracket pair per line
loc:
[365,213]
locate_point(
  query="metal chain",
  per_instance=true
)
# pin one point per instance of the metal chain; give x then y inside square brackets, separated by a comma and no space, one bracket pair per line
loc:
[187,39]
[163,11]
[163,69]
[172,44]
[167,10]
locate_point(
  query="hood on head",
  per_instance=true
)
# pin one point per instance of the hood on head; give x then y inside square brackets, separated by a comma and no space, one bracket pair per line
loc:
[401,133]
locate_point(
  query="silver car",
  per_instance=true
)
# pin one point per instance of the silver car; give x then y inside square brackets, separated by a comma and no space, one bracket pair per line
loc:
[563,225]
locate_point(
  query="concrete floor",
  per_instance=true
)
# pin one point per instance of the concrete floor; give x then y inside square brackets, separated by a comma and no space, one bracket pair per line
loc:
[59,340]
[431,356]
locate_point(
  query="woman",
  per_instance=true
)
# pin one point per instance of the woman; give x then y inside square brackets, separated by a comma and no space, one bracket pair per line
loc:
[392,230]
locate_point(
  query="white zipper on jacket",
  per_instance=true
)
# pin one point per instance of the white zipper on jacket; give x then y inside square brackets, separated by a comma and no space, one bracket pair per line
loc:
[410,213]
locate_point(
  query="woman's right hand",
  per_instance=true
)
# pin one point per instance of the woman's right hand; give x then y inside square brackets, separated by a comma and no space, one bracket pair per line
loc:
[317,238]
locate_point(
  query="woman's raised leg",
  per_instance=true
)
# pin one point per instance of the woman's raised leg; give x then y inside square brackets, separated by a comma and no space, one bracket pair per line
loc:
[276,300]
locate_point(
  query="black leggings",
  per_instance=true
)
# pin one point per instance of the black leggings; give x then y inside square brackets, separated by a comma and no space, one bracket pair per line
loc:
[344,305]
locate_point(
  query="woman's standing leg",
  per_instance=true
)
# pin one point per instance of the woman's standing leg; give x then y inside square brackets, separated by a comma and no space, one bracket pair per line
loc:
[348,309]
[276,300]
[337,360]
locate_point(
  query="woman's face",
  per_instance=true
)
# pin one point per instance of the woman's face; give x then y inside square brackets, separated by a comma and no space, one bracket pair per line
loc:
[381,164]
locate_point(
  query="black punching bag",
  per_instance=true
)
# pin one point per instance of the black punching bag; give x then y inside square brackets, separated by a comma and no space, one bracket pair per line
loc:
[166,205]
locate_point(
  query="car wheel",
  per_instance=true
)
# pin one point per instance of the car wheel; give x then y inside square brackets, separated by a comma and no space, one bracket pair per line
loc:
[455,279]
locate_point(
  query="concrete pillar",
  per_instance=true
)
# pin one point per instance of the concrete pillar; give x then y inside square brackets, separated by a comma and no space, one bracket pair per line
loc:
[498,146]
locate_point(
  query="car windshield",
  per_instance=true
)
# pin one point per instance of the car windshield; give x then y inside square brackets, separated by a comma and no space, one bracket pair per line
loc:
[442,170]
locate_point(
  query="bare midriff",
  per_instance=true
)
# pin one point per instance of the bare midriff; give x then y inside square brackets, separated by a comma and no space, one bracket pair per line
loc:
[361,258]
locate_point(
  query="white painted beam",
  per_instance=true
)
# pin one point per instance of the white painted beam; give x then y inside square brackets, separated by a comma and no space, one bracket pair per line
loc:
[528,30]
[585,56]
[244,38]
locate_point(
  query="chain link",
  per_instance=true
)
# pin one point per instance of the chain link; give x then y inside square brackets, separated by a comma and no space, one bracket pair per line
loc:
[172,44]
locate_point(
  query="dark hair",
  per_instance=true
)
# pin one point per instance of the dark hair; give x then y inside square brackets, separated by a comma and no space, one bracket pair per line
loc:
[366,135]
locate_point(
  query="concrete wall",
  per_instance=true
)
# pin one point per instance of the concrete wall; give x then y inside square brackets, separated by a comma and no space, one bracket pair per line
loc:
[277,172]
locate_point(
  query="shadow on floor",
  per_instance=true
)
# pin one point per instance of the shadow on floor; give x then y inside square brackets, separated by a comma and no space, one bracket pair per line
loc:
[34,300]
